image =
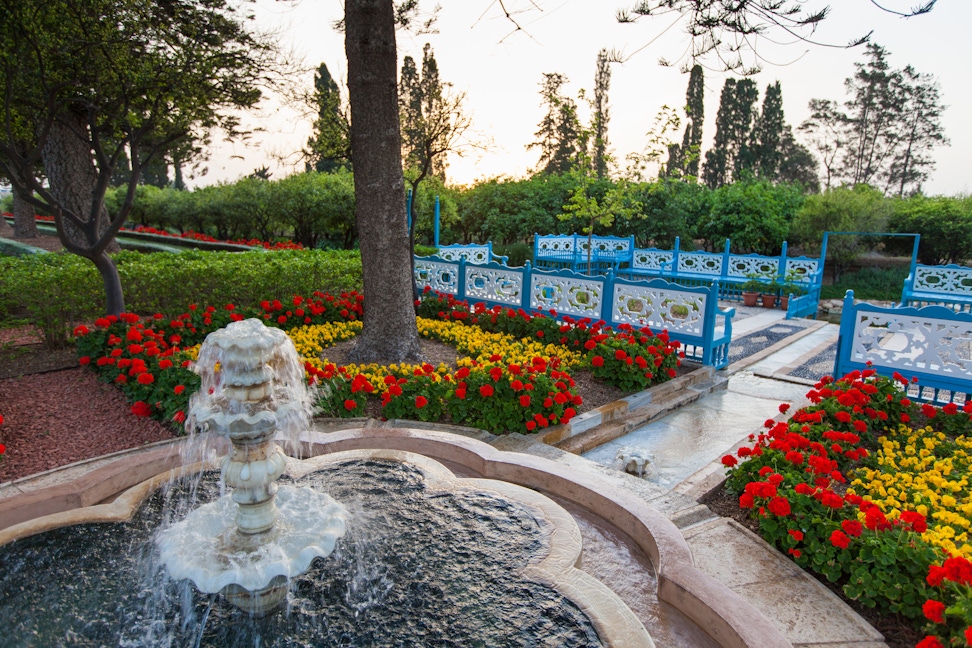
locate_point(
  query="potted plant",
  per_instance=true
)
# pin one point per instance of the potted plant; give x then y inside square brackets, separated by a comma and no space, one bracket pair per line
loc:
[791,286]
[752,288]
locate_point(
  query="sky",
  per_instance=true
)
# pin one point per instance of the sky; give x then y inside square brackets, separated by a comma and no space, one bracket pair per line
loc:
[499,68]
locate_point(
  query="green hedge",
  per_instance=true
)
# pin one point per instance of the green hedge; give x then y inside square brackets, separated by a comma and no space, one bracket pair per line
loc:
[57,291]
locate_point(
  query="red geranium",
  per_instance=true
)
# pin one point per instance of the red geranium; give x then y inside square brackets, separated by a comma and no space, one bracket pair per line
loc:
[421,401]
[486,391]
[933,610]
[839,539]
[141,408]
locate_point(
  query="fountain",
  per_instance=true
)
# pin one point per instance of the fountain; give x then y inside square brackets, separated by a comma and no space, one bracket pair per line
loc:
[243,545]
[415,554]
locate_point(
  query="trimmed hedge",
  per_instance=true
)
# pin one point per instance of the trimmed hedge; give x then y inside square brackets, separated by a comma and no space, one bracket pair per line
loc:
[57,291]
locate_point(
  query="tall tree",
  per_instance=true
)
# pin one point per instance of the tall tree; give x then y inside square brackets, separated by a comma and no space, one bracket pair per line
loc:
[766,140]
[389,333]
[684,159]
[919,131]
[602,115]
[873,112]
[730,149]
[434,123]
[329,147]
[90,88]
[559,132]
[825,129]
[797,163]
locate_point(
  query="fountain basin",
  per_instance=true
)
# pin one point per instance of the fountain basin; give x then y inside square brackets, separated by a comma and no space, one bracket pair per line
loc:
[725,617]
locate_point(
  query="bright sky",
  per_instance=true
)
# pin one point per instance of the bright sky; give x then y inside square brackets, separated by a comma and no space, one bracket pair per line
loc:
[500,69]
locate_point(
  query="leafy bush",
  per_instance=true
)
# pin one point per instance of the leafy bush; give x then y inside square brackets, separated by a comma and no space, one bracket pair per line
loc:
[754,214]
[945,225]
[56,291]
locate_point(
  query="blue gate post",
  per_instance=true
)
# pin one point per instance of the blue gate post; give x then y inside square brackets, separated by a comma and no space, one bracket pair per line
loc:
[525,290]
[607,297]
[461,280]
[436,235]
[674,270]
[845,340]
[408,212]
[725,262]
[782,269]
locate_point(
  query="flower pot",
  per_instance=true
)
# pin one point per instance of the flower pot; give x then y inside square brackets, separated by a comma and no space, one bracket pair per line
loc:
[784,302]
[769,301]
[750,298]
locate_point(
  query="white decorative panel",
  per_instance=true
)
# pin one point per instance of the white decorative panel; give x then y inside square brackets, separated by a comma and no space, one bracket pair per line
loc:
[441,277]
[471,253]
[744,265]
[555,245]
[802,268]
[652,260]
[566,295]
[503,286]
[910,344]
[950,280]
[659,308]
[705,263]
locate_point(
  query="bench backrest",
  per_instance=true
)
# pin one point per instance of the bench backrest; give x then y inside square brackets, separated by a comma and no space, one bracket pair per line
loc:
[950,280]
[927,344]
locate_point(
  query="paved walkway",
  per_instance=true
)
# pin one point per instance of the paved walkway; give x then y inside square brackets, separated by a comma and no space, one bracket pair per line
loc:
[687,445]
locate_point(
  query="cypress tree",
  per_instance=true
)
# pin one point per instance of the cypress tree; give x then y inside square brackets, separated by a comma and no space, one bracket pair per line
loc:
[767,136]
[602,83]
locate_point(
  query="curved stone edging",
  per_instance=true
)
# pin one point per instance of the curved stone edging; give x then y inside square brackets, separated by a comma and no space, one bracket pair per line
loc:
[725,616]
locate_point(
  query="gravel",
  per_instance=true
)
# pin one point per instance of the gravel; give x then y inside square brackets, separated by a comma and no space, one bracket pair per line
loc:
[59,417]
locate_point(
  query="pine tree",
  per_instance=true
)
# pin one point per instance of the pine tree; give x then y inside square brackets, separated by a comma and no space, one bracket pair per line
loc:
[919,131]
[602,83]
[873,110]
[329,146]
[730,150]
[559,132]
[766,140]
[684,159]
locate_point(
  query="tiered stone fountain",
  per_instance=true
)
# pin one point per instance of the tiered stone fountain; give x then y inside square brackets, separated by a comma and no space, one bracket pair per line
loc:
[249,544]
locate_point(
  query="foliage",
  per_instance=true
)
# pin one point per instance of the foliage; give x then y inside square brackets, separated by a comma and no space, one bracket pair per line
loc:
[858,209]
[601,116]
[559,132]
[55,291]
[891,124]
[669,208]
[754,214]
[945,226]
[329,146]
[683,160]
[869,284]
[729,154]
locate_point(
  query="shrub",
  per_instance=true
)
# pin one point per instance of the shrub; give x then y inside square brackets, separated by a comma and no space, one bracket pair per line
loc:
[56,291]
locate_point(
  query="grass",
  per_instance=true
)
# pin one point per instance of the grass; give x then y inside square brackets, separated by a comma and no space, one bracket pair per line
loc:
[869,283]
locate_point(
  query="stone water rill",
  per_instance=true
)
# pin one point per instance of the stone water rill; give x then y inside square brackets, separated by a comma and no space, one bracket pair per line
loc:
[249,544]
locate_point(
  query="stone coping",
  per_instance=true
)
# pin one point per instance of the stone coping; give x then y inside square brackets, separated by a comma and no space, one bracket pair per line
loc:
[726,617]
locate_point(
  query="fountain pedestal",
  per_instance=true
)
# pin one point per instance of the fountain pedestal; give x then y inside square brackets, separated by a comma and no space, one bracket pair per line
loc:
[252,388]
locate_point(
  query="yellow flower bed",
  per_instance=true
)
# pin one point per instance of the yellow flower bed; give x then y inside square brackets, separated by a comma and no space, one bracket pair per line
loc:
[479,345]
[923,471]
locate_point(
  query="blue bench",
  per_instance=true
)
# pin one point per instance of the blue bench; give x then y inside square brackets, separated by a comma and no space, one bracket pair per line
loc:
[582,253]
[948,285]
[928,346]
[690,315]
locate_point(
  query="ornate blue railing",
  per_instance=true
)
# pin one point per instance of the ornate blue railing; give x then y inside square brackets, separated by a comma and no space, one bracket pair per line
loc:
[690,315]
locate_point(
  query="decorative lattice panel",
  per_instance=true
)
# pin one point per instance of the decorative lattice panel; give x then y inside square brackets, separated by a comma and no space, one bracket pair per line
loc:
[471,253]
[652,260]
[912,344]
[659,308]
[705,263]
[503,286]
[441,277]
[555,245]
[803,269]
[566,295]
[950,280]
[744,265]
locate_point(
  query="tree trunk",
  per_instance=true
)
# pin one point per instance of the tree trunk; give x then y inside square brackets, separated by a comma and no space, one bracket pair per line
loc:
[25,218]
[73,179]
[389,332]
